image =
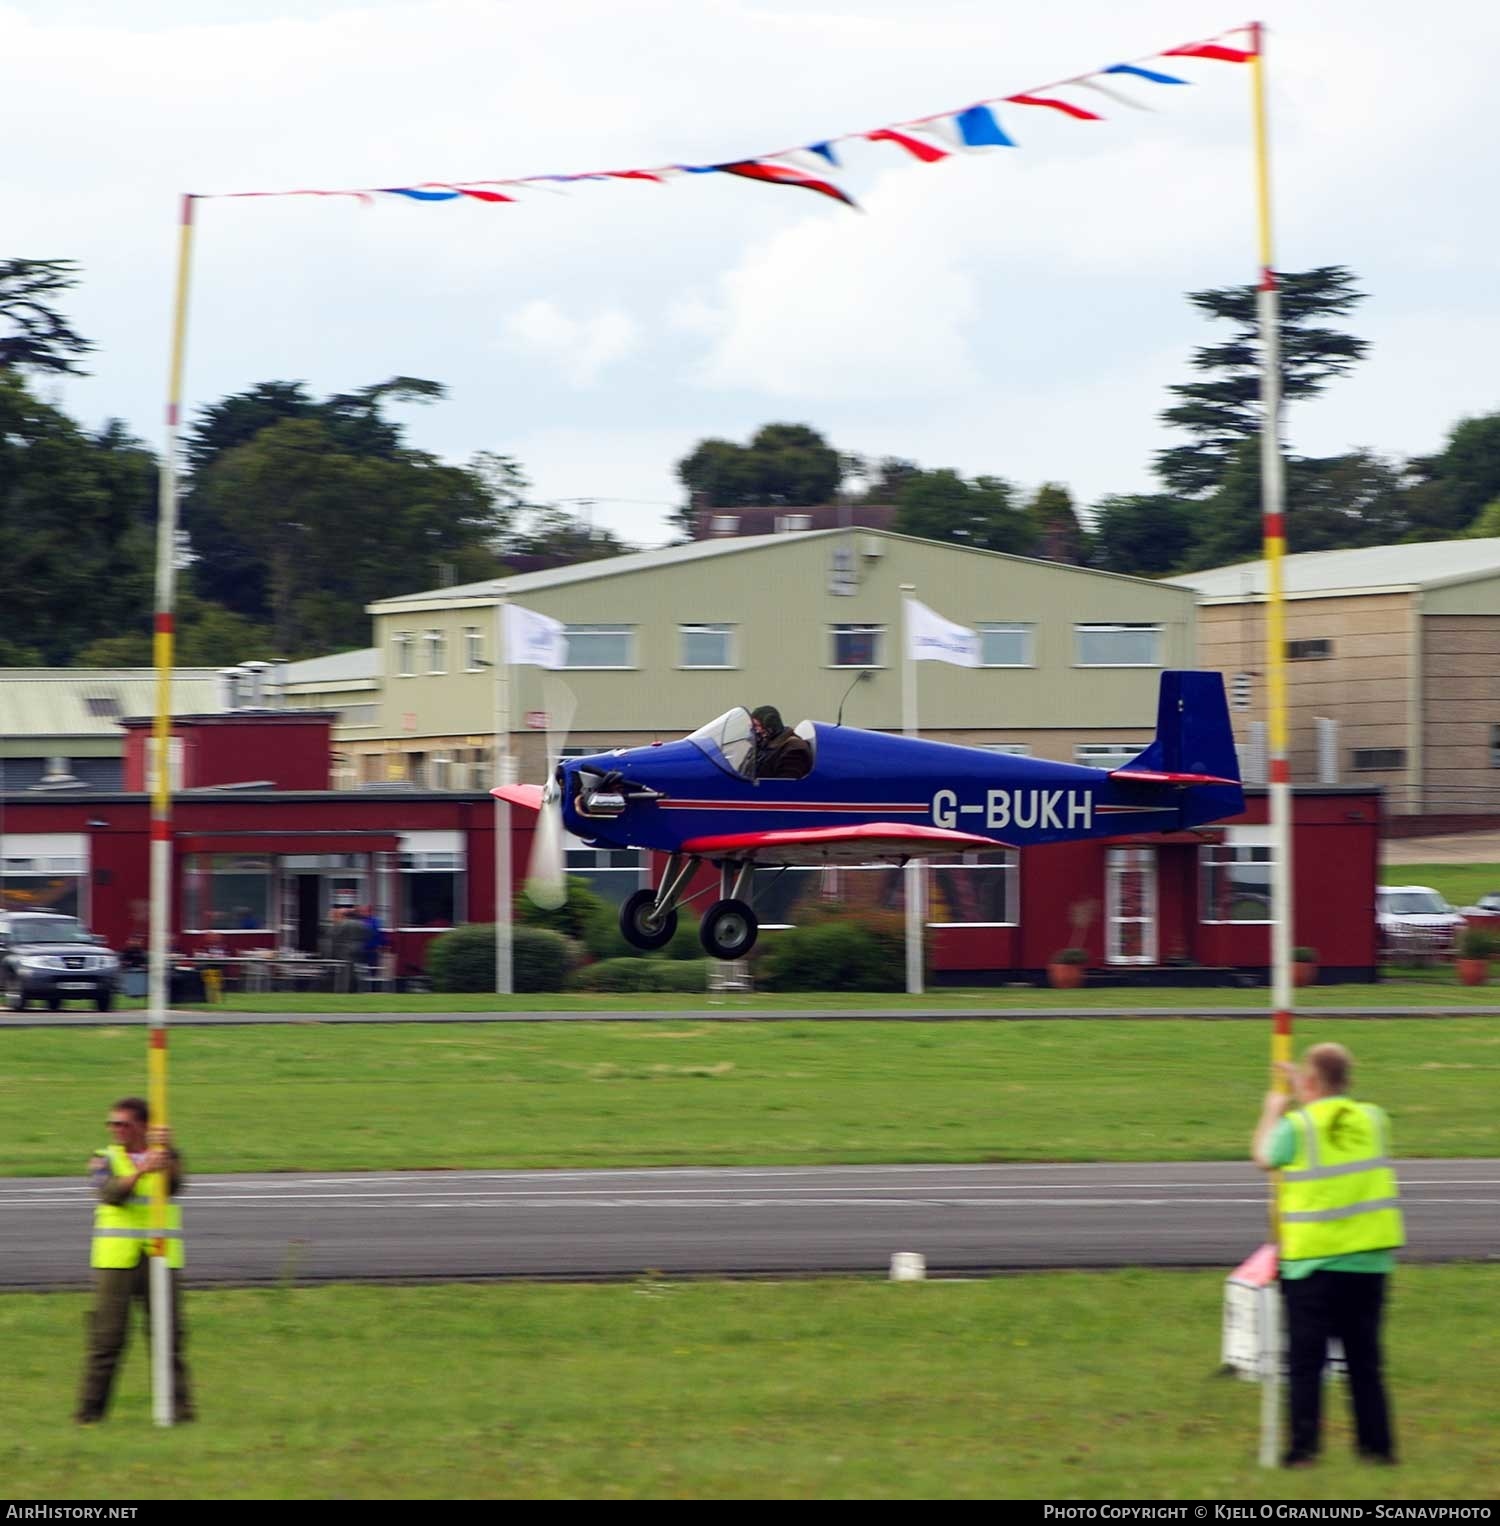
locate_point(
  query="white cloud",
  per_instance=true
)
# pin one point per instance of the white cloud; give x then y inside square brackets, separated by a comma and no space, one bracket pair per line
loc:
[581,348]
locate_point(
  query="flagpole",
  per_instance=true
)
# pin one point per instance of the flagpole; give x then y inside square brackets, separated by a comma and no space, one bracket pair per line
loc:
[1273,531]
[160,1288]
[913,870]
[504,774]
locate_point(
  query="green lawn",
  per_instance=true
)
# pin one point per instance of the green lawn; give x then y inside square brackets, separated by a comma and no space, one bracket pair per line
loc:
[1434,985]
[1066,1386]
[313,1096]
[1461,884]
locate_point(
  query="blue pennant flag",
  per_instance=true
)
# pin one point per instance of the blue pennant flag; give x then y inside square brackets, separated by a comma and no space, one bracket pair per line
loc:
[1155,76]
[979,129]
[402,190]
[826,150]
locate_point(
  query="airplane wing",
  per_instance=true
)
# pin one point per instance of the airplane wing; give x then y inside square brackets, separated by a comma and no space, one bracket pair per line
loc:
[527,795]
[863,844]
[1154,776]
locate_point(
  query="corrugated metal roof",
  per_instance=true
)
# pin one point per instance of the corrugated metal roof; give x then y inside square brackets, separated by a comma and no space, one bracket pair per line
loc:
[667,556]
[1361,570]
[88,702]
[341,667]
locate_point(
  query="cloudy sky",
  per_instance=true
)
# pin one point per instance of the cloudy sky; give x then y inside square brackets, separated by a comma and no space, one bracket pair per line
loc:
[1016,312]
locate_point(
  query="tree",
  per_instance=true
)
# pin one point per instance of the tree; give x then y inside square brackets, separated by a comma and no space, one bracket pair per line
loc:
[1059,536]
[941,505]
[320,531]
[562,537]
[40,339]
[1454,486]
[76,528]
[1224,410]
[1147,535]
[782,464]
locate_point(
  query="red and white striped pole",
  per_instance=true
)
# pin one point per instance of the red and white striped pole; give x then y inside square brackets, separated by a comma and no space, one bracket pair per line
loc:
[162,1407]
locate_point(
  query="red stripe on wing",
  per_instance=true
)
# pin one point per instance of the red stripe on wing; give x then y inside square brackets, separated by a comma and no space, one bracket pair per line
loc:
[875,839]
[1151,776]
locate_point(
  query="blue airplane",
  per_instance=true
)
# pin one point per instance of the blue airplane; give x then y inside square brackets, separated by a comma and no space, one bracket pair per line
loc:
[869,797]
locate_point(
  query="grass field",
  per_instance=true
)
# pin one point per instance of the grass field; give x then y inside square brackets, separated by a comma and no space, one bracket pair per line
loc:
[1068,1386]
[1460,884]
[705,1093]
[1434,985]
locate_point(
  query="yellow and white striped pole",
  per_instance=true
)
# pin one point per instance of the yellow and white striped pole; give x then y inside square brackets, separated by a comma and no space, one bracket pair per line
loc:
[1273,530]
[162,1406]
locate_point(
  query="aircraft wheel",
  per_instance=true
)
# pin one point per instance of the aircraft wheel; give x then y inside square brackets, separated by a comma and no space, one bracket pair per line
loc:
[729,929]
[640,927]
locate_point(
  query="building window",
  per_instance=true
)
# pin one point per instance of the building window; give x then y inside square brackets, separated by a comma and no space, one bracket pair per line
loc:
[974,890]
[1237,876]
[1308,651]
[42,881]
[473,649]
[1005,644]
[706,646]
[788,523]
[857,646]
[1495,746]
[1377,759]
[611,873]
[1118,646]
[1007,749]
[430,892]
[227,892]
[402,642]
[724,524]
[1107,754]
[601,646]
[359,715]
[437,652]
[103,706]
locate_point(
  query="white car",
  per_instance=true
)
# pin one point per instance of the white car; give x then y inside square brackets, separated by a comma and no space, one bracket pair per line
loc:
[1415,919]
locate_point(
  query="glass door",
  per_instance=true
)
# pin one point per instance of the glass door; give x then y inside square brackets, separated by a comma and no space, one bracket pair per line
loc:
[1130,905]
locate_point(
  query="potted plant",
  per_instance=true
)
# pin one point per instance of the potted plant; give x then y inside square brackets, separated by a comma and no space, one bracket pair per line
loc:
[1304,965]
[1475,947]
[1066,968]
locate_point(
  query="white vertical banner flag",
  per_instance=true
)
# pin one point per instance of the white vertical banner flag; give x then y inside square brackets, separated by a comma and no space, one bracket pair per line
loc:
[536,640]
[931,638]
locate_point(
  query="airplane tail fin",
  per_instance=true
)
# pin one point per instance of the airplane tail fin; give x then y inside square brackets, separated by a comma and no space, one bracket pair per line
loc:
[1193,747]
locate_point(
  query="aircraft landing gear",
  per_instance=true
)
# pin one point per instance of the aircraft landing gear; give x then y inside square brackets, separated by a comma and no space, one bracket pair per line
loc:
[730,926]
[649,918]
[729,929]
[642,926]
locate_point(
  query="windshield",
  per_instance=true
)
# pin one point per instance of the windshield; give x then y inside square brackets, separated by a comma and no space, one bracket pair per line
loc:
[1416,903]
[728,741]
[49,930]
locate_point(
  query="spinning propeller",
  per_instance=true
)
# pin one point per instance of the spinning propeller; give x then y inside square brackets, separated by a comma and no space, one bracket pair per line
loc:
[546,875]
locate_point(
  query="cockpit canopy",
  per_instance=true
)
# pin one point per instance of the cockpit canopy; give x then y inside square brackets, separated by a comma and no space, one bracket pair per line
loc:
[729,742]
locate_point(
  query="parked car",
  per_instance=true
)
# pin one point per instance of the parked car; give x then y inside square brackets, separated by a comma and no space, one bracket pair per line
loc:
[52,958]
[1415,920]
[1485,911]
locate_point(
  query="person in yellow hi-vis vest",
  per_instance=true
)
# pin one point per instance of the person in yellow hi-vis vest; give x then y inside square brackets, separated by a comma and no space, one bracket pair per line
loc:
[122,1177]
[1340,1226]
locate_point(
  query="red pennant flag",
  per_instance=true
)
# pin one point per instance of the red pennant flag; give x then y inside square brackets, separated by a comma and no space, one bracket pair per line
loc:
[633,175]
[1210,50]
[926,152]
[780,174]
[1066,107]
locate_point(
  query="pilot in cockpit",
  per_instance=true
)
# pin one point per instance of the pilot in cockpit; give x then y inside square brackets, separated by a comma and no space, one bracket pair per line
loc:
[779,752]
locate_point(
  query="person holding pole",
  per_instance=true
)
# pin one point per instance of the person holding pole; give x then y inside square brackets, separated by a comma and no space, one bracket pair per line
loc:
[1340,1226]
[125,1175]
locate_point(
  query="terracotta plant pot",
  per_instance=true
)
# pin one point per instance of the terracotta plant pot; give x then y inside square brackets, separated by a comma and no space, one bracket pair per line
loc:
[1304,974]
[1473,972]
[1065,977]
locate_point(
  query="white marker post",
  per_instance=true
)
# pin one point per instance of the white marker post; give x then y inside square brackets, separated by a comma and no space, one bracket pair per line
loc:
[505,773]
[914,884]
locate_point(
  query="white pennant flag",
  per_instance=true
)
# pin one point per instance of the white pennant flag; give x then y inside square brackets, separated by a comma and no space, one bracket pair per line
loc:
[931,638]
[537,640]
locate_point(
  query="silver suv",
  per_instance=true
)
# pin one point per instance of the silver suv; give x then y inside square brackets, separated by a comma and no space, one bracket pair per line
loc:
[52,958]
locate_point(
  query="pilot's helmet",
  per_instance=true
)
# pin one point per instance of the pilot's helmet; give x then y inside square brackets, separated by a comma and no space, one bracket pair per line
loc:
[769,717]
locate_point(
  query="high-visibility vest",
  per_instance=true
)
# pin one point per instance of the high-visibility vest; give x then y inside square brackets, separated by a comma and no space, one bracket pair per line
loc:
[1339,1193]
[121,1233]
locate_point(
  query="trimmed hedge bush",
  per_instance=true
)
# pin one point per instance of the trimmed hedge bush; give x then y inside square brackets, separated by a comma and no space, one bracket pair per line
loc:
[464,959]
[573,918]
[643,975]
[865,951]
